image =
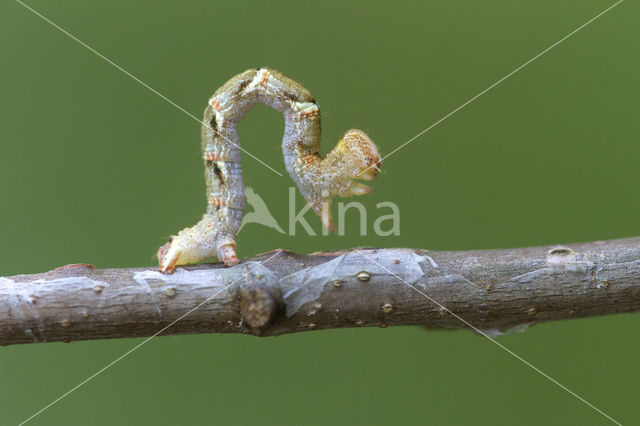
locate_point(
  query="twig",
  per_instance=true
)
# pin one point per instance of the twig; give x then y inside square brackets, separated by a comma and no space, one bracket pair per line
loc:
[494,290]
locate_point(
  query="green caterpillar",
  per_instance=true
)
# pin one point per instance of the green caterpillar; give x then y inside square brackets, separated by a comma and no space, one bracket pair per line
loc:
[319,179]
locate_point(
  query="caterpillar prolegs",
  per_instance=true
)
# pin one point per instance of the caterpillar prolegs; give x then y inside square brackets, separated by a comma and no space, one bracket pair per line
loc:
[319,179]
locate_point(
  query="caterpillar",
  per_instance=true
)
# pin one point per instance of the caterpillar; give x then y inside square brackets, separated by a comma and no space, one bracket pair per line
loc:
[319,179]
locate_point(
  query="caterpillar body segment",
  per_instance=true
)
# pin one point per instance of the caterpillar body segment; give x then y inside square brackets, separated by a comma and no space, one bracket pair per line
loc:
[319,179]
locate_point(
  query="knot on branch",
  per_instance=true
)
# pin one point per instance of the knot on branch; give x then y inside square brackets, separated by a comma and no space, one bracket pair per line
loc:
[259,305]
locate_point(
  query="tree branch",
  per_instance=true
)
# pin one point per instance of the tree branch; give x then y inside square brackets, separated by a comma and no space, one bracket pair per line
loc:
[281,292]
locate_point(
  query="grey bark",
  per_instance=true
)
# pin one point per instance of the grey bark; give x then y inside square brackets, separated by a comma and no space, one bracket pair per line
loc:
[281,292]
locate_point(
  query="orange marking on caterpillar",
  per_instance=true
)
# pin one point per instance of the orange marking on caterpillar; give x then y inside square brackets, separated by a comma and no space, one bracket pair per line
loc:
[264,78]
[313,113]
[211,156]
[217,202]
[215,104]
[309,159]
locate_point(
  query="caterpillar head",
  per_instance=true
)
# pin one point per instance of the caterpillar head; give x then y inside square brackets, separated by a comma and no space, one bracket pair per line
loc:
[354,157]
[358,159]
[360,154]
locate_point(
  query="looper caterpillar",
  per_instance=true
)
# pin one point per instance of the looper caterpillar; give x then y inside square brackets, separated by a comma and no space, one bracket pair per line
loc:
[319,179]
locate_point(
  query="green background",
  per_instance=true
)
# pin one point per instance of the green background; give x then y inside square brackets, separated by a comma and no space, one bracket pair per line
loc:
[95,168]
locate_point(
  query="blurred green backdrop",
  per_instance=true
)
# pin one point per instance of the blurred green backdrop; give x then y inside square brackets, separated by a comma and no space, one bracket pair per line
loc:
[95,168]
